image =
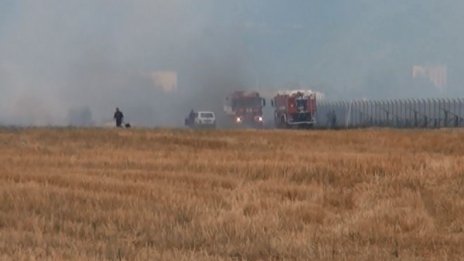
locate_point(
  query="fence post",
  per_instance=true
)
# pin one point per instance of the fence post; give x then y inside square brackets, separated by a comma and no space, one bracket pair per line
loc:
[436,113]
[432,114]
[460,105]
[389,113]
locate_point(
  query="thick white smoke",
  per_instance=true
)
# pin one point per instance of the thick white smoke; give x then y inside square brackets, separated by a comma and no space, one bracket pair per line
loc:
[59,58]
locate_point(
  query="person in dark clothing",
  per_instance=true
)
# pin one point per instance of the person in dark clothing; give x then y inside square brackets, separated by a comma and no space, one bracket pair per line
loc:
[192,116]
[334,119]
[118,116]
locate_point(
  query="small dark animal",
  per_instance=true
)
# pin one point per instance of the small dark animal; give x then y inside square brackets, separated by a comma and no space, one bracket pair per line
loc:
[127,125]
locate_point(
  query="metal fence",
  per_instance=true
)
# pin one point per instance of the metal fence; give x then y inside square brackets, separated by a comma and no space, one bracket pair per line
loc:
[407,113]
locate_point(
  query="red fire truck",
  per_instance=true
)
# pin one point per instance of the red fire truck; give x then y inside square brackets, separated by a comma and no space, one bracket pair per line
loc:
[245,109]
[294,108]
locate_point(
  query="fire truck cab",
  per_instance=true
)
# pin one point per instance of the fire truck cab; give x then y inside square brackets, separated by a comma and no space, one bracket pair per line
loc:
[245,109]
[294,108]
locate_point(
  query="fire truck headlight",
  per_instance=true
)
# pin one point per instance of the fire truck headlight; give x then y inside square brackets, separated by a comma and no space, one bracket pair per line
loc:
[238,120]
[260,119]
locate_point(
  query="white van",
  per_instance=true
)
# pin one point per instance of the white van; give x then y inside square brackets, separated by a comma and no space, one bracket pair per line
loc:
[202,119]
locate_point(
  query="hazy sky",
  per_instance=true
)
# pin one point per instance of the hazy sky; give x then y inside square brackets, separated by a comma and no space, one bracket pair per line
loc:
[57,55]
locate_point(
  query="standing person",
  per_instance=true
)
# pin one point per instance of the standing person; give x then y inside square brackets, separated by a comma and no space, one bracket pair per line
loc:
[192,116]
[334,120]
[118,116]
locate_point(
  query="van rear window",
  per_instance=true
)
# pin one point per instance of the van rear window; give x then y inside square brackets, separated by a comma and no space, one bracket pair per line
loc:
[206,115]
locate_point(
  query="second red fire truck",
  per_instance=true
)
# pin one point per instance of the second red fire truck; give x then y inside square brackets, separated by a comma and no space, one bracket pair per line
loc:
[294,108]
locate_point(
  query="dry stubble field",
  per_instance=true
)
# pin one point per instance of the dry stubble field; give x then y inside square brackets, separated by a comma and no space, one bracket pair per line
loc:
[231,195]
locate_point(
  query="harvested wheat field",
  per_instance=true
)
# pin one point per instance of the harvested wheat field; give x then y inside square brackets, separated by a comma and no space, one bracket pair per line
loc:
[98,194]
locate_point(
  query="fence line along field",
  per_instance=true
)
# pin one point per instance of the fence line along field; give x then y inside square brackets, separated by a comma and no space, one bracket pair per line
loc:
[99,194]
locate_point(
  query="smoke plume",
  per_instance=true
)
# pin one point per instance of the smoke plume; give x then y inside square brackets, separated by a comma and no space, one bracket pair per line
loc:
[73,62]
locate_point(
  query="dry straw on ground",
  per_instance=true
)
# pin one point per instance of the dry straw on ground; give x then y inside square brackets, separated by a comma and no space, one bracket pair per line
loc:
[231,195]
